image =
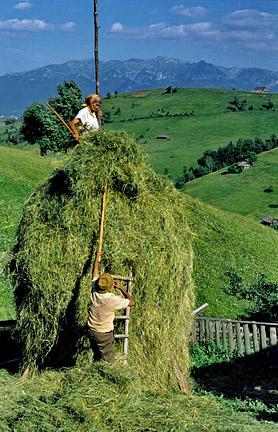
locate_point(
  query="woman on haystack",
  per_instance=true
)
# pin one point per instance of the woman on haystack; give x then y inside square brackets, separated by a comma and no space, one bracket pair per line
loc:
[87,116]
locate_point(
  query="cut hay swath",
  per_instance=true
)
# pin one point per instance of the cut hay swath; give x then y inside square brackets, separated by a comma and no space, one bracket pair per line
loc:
[145,232]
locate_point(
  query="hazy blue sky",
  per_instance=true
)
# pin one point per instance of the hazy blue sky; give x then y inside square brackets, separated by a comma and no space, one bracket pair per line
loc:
[224,32]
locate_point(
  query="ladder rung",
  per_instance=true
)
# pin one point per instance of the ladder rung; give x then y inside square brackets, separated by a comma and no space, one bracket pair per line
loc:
[124,278]
[122,357]
[121,317]
[120,336]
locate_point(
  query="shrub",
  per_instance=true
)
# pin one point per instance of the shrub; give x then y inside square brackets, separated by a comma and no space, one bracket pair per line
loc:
[207,354]
[261,295]
[234,169]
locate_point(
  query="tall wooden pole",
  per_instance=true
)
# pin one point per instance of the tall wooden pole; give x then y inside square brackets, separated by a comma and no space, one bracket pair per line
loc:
[98,118]
[60,118]
[96,47]
[102,219]
[96,56]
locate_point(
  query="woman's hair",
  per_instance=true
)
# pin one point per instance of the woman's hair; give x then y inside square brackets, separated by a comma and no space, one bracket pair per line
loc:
[91,98]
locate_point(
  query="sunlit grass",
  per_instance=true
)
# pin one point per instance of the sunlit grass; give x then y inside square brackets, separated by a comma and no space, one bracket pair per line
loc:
[242,193]
[213,125]
[20,172]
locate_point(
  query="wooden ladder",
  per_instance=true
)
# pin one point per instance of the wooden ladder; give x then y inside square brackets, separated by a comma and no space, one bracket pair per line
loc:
[126,317]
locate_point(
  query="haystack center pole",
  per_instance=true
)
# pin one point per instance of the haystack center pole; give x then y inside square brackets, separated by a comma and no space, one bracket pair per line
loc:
[98,118]
[96,55]
[96,47]
[60,118]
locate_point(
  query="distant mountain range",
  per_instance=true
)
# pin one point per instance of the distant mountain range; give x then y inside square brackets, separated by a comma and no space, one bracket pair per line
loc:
[18,90]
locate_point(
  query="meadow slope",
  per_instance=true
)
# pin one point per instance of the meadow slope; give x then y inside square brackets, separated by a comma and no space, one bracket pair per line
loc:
[102,398]
[113,399]
[144,116]
[222,240]
[20,173]
[244,193]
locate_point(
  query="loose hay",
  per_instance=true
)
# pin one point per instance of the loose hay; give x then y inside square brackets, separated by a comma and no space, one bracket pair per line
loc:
[145,231]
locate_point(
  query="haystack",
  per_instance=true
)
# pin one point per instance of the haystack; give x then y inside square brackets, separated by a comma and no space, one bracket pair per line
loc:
[145,232]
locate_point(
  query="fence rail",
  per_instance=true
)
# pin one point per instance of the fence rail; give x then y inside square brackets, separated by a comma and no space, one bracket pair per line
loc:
[246,337]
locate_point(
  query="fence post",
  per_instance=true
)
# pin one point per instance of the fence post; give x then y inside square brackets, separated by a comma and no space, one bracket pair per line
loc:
[207,329]
[224,335]
[202,332]
[255,337]
[217,332]
[263,337]
[231,337]
[239,338]
[247,339]
[273,336]
[194,332]
[211,329]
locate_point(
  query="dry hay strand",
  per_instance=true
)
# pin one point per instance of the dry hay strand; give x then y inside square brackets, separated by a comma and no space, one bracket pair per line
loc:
[145,231]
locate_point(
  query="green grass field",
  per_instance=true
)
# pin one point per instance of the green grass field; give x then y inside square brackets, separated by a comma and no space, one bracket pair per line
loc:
[20,173]
[212,126]
[225,241]
[242,193]
[222,241]
[112,399]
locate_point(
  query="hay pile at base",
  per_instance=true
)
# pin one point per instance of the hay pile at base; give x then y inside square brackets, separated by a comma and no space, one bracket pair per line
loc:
[145,231]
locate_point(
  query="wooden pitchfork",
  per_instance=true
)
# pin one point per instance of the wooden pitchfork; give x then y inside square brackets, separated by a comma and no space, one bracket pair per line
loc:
[60,118]
[102,219]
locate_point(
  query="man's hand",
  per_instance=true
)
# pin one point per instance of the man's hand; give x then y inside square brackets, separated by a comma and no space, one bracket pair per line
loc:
[125,293]
[118,285]
[98,254]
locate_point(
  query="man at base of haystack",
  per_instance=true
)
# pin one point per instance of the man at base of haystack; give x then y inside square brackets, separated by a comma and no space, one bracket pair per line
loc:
[102,311]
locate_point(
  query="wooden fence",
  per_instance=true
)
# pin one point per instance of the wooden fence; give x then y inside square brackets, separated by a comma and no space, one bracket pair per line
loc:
[247,337]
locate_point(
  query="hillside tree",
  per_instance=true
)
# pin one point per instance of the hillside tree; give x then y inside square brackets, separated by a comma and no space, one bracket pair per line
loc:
[41,126]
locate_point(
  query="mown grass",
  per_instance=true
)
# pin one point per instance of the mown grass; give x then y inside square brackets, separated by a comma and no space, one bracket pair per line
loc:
[145,231]
[20,172]
[111,399]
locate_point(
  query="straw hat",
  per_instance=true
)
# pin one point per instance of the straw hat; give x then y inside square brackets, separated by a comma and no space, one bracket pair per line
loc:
[105,282]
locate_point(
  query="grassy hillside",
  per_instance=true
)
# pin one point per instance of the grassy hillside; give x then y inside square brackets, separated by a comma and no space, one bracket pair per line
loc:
[242,193]
[212,126]
[20,173]
[100,398]
[222,240]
